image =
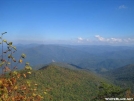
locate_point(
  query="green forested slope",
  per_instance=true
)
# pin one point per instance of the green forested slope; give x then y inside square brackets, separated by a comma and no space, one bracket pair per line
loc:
[123,76]
[63,84]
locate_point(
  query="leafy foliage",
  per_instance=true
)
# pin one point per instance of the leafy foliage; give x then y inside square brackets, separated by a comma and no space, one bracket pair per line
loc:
[109,91]
[13,87]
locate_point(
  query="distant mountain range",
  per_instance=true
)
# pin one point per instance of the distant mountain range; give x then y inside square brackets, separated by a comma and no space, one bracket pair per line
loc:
[83,56]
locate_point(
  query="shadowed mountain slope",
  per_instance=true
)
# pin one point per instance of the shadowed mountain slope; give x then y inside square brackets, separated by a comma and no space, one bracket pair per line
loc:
[123,76]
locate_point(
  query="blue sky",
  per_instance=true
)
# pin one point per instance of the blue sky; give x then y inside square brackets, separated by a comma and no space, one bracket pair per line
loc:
[68,21]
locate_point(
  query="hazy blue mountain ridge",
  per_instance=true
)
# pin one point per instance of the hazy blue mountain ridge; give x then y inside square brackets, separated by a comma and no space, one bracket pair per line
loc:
[84,56]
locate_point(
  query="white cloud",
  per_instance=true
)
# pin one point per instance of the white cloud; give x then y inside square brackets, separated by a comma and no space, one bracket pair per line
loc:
[130,39]
[122,7]
[114,40]
[80,38]
[100,38]
[83,40]
[105,41]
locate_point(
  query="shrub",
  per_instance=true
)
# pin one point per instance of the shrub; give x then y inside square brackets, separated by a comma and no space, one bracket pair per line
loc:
[14,85]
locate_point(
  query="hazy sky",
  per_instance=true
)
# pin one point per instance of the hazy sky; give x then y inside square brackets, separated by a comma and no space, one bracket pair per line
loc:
[68,21]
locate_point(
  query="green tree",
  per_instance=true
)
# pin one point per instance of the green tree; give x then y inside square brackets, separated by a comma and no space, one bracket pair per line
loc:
[109,91]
